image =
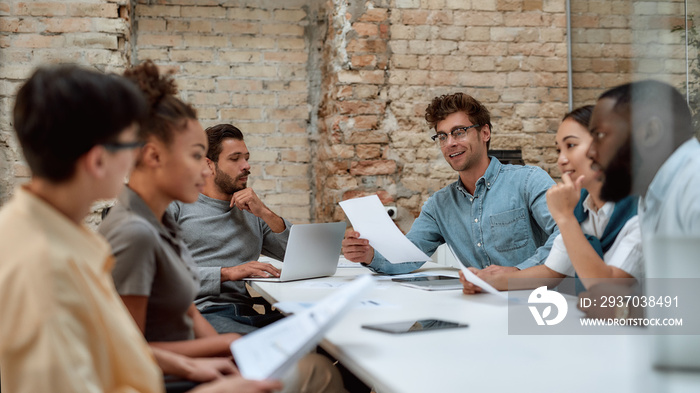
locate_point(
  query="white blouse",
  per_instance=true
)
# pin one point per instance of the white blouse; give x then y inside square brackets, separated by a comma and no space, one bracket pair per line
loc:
[625,252]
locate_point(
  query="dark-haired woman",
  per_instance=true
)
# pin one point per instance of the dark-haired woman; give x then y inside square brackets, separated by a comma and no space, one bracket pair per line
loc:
[598,240]
[154,272]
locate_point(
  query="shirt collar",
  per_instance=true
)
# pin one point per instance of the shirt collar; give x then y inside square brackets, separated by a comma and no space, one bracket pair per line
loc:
[225,205]
[605,211]
[79,240]
[492,172]
[489,177]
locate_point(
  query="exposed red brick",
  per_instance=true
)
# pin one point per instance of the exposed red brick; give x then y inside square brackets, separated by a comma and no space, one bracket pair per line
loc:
[366,45]
[337,167]
[368,151]
[360,107]
[366,122]
[367,137]
[364,29]
[374,15]
[355,194]
[363,60]
[373,167]
[385,197]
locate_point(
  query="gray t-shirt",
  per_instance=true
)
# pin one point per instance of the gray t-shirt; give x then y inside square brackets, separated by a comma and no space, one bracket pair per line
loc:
[153,261]
[220,236]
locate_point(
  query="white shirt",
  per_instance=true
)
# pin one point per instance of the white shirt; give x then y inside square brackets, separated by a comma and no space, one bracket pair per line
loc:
[625,252]
[671,206]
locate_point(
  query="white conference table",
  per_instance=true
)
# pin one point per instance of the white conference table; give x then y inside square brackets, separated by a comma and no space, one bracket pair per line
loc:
[480,358]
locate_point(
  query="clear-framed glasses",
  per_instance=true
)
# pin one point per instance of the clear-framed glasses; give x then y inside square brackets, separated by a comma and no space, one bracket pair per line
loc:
[116,146]
[458,134]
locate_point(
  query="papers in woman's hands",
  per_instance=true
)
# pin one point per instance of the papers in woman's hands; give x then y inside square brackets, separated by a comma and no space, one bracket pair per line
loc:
[369,218]
[474,279]
[268,353]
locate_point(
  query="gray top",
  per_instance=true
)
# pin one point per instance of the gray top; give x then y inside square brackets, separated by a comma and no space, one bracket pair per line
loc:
[152,260]
[220,236]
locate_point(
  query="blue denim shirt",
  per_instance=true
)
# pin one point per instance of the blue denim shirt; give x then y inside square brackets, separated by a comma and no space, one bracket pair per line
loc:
[506,222]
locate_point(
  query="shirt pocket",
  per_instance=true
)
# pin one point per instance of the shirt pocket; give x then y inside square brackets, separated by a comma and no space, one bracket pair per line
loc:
[509,230]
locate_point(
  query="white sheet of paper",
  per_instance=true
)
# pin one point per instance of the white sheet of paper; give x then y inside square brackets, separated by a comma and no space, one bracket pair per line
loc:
[474,279]
[270,352]
[345,263]
[369,218]
[320,284]
[296,307]
[292,307]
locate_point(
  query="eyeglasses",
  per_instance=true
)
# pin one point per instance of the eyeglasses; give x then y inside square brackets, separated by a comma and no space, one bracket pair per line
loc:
[116,146]
[458,134]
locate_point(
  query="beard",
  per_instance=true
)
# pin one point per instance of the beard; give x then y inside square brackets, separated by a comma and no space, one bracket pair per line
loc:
[618,176]
[226,183]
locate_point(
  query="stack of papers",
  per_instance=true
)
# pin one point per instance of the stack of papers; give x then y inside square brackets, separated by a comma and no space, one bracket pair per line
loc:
[270,352]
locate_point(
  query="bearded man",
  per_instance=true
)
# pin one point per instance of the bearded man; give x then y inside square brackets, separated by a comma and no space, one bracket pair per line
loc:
[226,230]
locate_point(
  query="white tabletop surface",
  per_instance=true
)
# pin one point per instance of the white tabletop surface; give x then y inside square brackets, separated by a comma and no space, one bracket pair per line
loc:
[480,358]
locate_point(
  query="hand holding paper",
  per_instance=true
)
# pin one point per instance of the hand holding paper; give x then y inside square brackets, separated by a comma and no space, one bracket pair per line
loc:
[369,218]
[268,353]
[474,279]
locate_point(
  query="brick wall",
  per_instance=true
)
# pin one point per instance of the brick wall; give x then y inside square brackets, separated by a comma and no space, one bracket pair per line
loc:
[395,56]
[88,32]
[245,63]
[353,155]
[331,93]
[510,54]
[615,42]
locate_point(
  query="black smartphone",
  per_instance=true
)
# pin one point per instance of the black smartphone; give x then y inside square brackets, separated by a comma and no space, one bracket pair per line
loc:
[414,326]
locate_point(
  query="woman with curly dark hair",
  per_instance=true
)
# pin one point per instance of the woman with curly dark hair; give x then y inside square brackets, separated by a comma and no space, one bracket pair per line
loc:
[155,273]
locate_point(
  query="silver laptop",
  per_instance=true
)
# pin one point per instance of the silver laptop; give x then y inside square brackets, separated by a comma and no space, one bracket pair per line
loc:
[312,251]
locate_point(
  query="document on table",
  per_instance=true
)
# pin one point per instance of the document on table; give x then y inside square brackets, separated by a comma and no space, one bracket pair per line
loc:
[474,279]
[345,263]
[270,352]
[320,284]
[369,218]
[296,307]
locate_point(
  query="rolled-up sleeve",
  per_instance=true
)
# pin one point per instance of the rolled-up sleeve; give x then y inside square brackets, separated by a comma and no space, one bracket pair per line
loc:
[209,280]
